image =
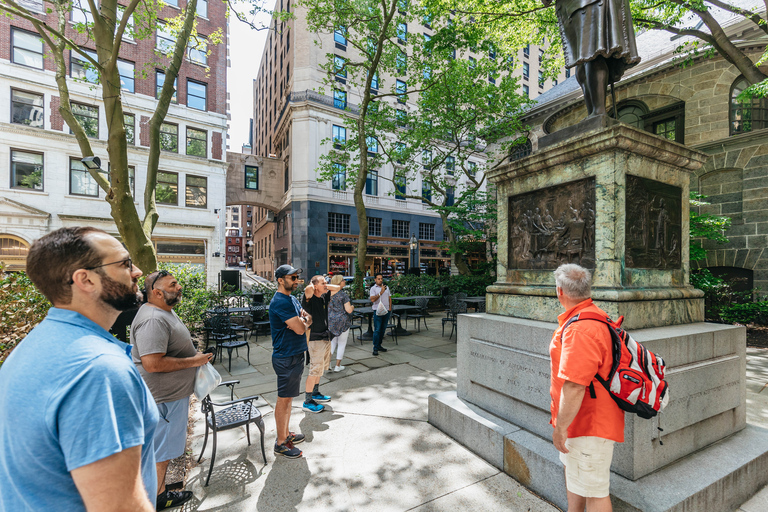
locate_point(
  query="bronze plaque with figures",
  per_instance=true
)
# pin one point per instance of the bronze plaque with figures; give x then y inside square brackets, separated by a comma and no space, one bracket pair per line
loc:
[653,225]
[553,226]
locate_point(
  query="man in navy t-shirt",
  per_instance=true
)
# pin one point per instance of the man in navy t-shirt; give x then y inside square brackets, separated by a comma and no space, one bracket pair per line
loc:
[288,323]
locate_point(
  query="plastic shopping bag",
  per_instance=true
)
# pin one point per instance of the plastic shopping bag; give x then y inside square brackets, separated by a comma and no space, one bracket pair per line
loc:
[206,380]
[381,310]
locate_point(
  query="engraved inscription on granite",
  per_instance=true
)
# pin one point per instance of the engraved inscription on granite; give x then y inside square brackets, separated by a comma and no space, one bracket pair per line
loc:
[553,226]
[653,225]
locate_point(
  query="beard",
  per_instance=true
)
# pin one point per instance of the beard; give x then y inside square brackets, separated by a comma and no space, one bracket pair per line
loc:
[118,295]
[171,299]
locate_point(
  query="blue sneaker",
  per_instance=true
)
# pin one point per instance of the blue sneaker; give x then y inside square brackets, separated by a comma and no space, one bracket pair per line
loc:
[313,406]
[295,438]
[287,450]
[321,398]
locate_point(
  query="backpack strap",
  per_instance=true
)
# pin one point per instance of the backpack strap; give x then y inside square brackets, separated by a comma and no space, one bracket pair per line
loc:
[588,315]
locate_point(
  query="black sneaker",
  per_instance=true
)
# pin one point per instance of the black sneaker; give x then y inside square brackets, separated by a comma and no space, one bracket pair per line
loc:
[287,450]
[170,499]
[295,438]
[382,349]
[375,352]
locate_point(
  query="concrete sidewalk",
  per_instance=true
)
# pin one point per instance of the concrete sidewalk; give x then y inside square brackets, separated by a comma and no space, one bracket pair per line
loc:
[372,449]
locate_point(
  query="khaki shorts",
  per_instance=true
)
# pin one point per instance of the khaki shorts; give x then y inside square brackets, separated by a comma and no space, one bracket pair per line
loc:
[588,466]
[319,356]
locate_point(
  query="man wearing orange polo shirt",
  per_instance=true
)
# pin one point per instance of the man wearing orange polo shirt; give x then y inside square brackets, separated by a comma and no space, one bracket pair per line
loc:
[587,421]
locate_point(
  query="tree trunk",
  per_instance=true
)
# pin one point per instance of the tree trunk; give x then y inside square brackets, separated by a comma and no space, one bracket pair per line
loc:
[457,258]
[362,216]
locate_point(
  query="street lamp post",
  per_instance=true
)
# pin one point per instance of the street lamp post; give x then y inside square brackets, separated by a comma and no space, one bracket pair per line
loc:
[414,255]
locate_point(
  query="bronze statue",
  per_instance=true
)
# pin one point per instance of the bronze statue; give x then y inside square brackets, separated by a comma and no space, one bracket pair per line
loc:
[599,41]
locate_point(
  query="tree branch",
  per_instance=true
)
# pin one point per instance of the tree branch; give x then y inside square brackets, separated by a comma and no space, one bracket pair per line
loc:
[752,16]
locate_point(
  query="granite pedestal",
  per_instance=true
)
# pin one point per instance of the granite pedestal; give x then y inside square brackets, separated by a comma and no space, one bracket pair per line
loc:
[697,455]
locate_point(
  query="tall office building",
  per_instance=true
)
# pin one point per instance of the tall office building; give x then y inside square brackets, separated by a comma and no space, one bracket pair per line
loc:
[316,227]
[44,186]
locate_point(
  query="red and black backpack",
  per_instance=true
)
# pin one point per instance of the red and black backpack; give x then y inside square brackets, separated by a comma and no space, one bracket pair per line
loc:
[636,380]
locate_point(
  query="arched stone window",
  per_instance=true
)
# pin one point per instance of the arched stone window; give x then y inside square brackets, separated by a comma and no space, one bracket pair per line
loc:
[632,112]
[746,115]
[521,150]
[13,252]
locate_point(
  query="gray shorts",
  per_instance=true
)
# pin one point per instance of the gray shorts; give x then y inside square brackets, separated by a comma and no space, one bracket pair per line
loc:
[171,433]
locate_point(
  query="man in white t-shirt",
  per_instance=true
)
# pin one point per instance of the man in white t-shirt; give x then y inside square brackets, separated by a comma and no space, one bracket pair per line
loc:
[380,295]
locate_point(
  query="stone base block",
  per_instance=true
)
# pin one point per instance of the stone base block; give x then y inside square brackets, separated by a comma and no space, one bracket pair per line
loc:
[718,478]
[503,367]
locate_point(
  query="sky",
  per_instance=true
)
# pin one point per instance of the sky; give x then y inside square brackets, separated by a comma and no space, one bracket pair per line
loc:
[246,46]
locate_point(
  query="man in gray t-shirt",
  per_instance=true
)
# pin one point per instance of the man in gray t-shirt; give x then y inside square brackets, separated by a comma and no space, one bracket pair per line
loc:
[167,359]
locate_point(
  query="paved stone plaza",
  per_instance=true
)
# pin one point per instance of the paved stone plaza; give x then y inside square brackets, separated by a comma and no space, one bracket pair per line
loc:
[373,449]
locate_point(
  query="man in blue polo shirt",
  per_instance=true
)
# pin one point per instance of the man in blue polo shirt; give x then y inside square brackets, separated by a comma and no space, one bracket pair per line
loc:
[288,323]
[76,419]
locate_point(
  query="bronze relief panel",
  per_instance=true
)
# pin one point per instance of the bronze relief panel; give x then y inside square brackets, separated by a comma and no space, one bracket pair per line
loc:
[653,227]
[552,226]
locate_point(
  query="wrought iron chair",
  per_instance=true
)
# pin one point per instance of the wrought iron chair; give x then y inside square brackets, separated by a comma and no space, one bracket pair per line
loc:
[226,337]
[236,413]
[260,319]
[457,308]
[357,327]
[392,326]
[420,315]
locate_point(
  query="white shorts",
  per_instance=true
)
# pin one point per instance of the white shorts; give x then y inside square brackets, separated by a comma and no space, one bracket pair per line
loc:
[588,466]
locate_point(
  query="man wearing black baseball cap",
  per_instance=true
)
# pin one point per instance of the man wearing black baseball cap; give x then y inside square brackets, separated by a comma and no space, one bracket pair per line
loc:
[288,323]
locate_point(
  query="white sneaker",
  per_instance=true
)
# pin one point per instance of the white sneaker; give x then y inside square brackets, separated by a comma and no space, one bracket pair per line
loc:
[339,368]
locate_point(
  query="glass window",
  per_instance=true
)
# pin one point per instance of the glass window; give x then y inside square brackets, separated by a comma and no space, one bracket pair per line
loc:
[26,170]
[401,62]
[126,70]
[160,80]
[27,108]
[632,115]
[402,5]
[169,137]
[81,12]
[197,192]
[81,183]
[426,231]
[450,165]
[88,117]
[568,73]
[251,177]
[401,228]
[197,142]
[426,191]
[526,70]
[338,222]
[167,189]
[27,48]
[541,79]
[400,187]
[339,177]
[338,66]
[130,128]
[339,136]
[401,117]
[375,82]
[527,50]
[164,40]
[197,95]
[472,169]
[665,128]
[491,52]
[202,8]
[32,5]
[174,3]
[401,88]
[426,158]
[374,226]
[449,196]
[339,99]
[129,33]
[339,35]
[198,49]
[402,32]
[131,177]
[526,90]
[472,63]
[747,115]
[373,145]
[81,69]
[372,183]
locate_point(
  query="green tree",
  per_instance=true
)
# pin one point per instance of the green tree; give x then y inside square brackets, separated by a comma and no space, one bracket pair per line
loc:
[705,226]
[106,26]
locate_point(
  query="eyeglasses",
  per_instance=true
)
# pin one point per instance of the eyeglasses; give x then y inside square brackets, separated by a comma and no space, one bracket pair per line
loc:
[127,263]
[160,274]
